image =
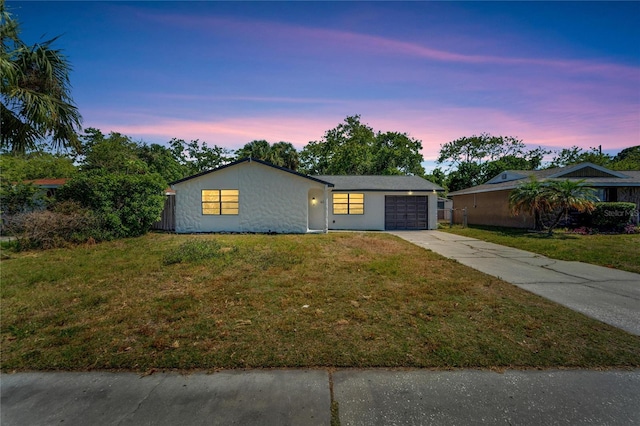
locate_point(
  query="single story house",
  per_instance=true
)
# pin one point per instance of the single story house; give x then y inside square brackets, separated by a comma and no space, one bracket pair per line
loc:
[488,204]
[252,195]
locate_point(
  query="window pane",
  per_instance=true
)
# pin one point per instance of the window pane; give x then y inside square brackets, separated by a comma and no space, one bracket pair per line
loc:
[210,195]
[210,208]
[340,209]
[229,210]
[357,198]
[340,198]
[356,209]
[229,193]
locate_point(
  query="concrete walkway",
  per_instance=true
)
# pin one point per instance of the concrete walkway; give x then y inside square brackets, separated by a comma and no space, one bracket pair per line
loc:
[609,295]
[304,397]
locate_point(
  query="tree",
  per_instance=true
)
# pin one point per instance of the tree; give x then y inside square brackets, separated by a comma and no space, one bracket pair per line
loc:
[466,175]
[476,159]
[197,156]
[127,205]
[530,197]
[627,159]
[551,197]
[397,154]
[353,148]
[479,149]
[284,154]
[115,153]
[281,154]
[35,165]
[565,195]
[576,155]
[160,159]
[36,92]
[437,176]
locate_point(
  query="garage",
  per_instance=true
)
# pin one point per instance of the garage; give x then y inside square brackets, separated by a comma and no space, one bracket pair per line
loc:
[405,212]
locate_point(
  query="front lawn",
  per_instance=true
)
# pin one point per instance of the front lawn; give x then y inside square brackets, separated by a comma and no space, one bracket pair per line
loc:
[620,251]
[340,299]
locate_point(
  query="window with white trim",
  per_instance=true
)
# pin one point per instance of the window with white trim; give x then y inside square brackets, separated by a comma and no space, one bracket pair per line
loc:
[348,203]
[220,201]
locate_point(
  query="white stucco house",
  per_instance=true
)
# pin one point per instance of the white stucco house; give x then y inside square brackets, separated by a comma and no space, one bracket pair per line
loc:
[255,196]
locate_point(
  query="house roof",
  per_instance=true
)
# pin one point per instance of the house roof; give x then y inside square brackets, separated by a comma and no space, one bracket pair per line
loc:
[48,183]
[249,160]
[380,183]
[592,174]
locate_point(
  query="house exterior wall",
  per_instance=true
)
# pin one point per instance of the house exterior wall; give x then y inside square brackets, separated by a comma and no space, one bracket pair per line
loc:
[373,217]
[489,208]
[270,200]
[630,194]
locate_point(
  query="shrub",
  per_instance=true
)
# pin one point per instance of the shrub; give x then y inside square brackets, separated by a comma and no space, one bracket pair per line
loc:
[632,229]
[20,198]
[612,216]
[67,223]
[192,251]
[126,205]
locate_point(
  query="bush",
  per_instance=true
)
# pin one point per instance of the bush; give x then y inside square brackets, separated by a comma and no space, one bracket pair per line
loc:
[612,216]
[67,223]
[21,198]
[192,251]
[126,205]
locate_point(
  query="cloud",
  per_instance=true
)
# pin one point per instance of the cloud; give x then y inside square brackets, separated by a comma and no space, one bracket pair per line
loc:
[293,36]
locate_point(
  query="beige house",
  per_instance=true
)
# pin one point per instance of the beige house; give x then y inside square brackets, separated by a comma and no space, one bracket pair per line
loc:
[488,204]
[255,196]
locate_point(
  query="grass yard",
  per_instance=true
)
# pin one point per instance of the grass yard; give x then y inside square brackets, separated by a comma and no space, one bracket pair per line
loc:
[232,301]
[620,251]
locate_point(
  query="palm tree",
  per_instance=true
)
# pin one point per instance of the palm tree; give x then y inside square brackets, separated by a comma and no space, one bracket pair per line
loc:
[565,195]
[530,197]
[284,154]
[35,92]
[281,154]
[258,150]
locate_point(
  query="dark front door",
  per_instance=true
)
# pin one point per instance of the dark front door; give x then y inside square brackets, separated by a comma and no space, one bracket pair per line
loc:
[405,212]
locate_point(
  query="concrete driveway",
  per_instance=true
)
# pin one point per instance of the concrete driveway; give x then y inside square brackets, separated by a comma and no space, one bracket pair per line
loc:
[609,295]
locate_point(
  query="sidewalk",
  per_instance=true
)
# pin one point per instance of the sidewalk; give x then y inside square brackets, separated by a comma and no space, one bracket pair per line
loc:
[304,397]
[608,295]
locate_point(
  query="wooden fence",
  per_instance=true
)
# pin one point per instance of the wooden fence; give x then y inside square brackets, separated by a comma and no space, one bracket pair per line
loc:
[167,221]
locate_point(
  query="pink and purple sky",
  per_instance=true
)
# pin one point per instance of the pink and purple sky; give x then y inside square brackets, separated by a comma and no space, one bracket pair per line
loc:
[554,74]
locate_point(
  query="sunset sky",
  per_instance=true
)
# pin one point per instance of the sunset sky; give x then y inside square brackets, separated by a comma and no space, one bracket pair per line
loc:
[554,74]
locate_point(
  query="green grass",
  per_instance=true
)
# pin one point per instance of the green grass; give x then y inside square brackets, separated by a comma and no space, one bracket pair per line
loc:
[333,300]
[618,251]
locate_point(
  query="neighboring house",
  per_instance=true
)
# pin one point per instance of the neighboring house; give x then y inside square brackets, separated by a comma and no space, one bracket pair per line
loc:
[488,204]
[255,196]
[49,185]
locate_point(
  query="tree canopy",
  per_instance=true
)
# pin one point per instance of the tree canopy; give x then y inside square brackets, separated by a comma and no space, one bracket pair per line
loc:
[281,154]
[197,157]
[35,165]
[476,159]
[35,90]
[354,148]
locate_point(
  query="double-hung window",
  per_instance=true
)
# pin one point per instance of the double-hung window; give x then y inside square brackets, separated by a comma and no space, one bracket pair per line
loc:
[220,201]
[348,203]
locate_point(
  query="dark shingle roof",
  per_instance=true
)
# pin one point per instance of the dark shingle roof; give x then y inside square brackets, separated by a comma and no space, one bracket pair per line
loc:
[623,179]
[379,183]
[244,160]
